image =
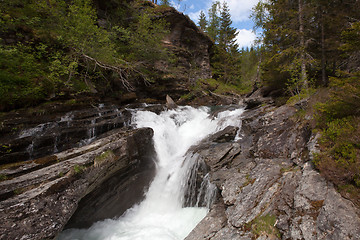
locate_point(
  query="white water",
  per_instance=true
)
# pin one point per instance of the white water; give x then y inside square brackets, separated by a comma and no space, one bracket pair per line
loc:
[161,216]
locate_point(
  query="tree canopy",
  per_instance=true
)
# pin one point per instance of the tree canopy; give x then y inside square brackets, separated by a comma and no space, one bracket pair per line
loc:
[54,47]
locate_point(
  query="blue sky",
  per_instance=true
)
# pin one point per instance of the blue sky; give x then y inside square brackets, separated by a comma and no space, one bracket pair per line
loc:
[239,9]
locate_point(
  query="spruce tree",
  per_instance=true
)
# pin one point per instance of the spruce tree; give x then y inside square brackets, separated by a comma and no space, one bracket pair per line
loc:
[214,21]
[202,21]
[227,33]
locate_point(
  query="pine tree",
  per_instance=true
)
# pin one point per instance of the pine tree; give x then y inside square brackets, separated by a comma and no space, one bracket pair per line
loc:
[227,33]
[214,21]
[202,21]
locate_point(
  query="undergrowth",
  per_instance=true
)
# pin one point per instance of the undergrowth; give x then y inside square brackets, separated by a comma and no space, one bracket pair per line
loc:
[338,120]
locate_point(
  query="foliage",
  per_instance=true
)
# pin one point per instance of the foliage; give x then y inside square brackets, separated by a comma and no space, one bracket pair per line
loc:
[227,33]
[344,98]
[351,37]
[78,169]
[225,59]
[301,40]
[339,122]
[214,21]
[339,160]
[202,21]
[104,156]
[145,39]
[165,2]
[52,48]
[3,177]
[217,87]
[250,69]
[303,94]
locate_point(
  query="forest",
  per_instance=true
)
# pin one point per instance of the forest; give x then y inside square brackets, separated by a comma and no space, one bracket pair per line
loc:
[308,51]
[54,48]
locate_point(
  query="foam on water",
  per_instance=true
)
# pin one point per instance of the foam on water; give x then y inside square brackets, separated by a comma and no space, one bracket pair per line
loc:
[161,215]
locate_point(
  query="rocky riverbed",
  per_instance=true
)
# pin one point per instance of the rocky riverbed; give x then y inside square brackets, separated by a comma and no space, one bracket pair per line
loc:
[267,185]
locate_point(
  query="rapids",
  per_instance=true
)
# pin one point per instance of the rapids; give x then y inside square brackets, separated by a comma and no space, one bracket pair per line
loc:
[162,215]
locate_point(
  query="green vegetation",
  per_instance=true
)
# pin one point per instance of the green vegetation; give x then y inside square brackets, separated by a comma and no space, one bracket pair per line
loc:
[5,148]
[104,156]
[229,65]
[301,42]
[3,177]
[19,191]
[311,47]
[264,225]
[56,48]
[338,120]
[78,169]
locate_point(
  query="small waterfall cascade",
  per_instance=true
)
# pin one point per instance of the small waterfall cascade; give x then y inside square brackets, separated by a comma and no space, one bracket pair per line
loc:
[79,127]
[180,194]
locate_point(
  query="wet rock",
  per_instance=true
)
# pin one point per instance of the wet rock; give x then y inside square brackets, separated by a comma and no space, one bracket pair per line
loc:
[36,137]
[170,104]
[38,203]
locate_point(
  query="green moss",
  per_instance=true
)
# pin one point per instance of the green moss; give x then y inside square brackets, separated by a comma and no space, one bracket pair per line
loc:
[287,169]
[187,96]
[3,177]
[5,148]
[264,225]
[19,191]
[78,169]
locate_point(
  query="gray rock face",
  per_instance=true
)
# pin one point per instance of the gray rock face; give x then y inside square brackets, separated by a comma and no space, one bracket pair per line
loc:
[268,186]
[30,137]
[38,204]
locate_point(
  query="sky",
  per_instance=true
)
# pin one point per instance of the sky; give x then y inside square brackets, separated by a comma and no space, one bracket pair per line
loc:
[240,11]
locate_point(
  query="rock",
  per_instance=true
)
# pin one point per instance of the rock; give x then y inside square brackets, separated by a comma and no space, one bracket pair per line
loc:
[37,204]
[36,137]
[170,104]
[192,49]
[268,186]
[255,99]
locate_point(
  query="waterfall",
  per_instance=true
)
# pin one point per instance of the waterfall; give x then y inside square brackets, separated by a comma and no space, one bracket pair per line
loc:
[166,213]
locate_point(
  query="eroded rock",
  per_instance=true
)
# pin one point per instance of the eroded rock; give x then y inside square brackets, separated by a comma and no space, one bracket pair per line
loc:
[38,204]
[268,186]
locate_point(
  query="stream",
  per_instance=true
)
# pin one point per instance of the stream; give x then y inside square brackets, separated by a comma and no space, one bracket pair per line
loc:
[162,214]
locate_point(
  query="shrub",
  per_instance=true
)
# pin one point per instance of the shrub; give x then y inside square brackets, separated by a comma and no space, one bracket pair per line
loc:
[338,120]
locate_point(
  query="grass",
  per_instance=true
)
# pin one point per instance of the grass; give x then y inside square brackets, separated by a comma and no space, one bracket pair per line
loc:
[264,225]
[104,156]
[107,155]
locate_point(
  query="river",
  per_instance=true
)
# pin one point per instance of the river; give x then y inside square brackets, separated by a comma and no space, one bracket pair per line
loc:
[162,214]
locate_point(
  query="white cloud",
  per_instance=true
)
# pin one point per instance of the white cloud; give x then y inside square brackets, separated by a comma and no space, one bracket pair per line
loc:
[194,16]
[175,5]
[245,38]
[240,9]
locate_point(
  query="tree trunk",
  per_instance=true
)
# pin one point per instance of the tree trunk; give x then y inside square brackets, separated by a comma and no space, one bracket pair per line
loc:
[323,57]
[303,77]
